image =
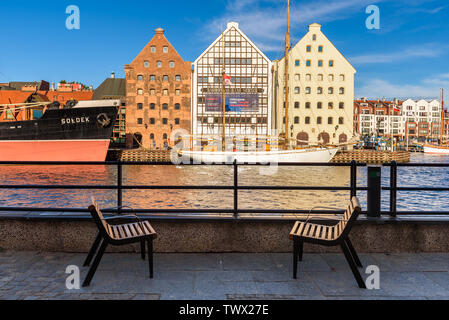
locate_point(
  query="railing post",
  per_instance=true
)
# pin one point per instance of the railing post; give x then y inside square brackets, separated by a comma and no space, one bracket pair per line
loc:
[119,186]
[374,191]
[353,179]
[393,188]
[236,192]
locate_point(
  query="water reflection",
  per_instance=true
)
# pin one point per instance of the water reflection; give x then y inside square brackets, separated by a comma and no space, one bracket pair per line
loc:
[214,175]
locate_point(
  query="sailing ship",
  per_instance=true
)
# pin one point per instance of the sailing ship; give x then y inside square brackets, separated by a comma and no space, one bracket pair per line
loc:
[442,147]
[273,153]
[77,132]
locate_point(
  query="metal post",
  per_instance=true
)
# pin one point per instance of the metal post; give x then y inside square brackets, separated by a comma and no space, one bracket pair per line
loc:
[353,179]
[119,186]
[393,188]
[236,192]
[374,191]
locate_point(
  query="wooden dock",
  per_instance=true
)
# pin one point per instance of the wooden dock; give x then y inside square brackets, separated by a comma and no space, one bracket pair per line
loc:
[140,155]
[372,156]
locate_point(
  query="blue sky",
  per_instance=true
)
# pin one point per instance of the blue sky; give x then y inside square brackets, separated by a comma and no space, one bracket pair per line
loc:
[407,57]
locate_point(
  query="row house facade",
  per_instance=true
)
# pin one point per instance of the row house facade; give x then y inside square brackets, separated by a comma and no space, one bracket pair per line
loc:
[248,93]
[321,92]
[379,117]
[422,119]
[158,87]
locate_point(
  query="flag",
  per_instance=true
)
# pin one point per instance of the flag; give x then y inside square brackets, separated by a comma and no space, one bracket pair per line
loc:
[227,79]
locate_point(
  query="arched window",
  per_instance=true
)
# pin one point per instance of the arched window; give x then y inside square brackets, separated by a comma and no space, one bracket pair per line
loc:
[331,90]
[165,136]
[165,106]
[177,106]
[307,120]
[330,120]
[319,120]
[342,90]
[341,120]
[307,105]
[152,136]
[319,105]
[140,92]
[296,120]
[139,77]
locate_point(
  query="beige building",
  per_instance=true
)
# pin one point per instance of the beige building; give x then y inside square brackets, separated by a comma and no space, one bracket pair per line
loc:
[321,97]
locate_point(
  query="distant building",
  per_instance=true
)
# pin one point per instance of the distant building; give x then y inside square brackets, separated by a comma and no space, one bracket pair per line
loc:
[64,97]
[379,118]
[321,92]
[422,119]
[30,86]
[115,89]
[158,84]
[248,93]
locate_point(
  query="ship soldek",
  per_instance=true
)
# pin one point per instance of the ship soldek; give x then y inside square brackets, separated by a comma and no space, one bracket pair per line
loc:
[70,134]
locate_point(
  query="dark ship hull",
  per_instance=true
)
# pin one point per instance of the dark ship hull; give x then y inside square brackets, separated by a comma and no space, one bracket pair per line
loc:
[77,134]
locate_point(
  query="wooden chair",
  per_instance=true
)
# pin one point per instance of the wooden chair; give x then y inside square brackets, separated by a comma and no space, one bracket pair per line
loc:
[118,235]
[329,235]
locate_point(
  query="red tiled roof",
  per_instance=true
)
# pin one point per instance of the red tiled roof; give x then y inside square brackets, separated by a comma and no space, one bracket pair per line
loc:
[10,97]
[63,97]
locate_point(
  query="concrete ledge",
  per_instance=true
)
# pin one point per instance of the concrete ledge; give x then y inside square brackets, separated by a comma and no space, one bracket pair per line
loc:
[221,236]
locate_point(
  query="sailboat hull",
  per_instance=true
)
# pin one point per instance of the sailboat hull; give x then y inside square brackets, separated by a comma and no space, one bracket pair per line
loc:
[436,149]
[319,155]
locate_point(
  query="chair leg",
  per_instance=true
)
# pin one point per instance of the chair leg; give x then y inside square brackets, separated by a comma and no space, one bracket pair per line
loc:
[353,253]
[93,250]
[142,249]
[301,250]
[150,256]
[295,257]
[94,266]
[352,265]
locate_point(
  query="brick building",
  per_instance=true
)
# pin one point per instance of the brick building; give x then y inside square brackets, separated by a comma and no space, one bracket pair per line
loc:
[157,93]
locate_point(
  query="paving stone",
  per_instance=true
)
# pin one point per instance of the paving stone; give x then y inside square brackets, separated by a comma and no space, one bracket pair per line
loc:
[248,262]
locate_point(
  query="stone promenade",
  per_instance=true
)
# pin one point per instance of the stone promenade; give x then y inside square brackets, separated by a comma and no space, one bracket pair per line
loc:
[233,276]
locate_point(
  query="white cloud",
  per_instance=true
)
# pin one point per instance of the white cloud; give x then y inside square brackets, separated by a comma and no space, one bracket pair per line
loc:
[265,20]
[428,88]
[429,50]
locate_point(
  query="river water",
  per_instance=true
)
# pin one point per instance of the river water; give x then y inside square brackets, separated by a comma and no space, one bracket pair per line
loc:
[217,199]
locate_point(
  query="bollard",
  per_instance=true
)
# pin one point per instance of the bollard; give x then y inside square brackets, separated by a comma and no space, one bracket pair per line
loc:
[374,191]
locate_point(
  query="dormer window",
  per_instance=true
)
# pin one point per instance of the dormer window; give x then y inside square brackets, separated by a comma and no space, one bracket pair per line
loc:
[314,37]
[165,49]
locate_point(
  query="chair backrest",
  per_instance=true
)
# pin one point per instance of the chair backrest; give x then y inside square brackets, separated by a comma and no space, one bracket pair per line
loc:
[98,217]
[350,216]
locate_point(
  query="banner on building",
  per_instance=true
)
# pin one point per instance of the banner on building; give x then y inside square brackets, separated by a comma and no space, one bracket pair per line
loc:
[233,102]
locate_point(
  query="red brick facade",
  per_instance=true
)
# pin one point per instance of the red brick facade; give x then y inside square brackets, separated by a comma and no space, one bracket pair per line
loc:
[158,85]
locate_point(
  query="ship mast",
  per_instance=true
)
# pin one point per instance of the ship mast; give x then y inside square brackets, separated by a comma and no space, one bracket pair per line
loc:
[442,117]
[286,75]
[223,97]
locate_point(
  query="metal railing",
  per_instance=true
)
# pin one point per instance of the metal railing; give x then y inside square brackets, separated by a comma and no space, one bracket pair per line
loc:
[235,212]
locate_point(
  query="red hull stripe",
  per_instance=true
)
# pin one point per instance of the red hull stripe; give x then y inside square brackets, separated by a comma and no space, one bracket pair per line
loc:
[54,150]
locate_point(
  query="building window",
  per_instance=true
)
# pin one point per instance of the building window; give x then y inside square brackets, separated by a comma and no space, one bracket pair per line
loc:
[165,92]
[203,80]
[140,92]
[164,121]
[172,64]
[331,105]
[139,121]
[296,105]
[165,78]
[146,64]
[178,78]
[177,92]
[308,90]
[159,64]
[341,120]
[307,105]
[152,77]
[307,120]
[152,136]
[331,90]
[309,48]
[341,90]
[314,37]
[297,63]
[139,106]
[297,77]
[331,77]
[177,121]
[319,120]
[331,63]
[319,105]
[330,120]
[341,105]
[152,121]
[165,136]
[308,77]
[153,49]
[320,49]
[296,120]
[320,90]
[308,63]
[139,77]
[177,106]
[152,106]
[342,77]
[297,90]
[165,49]
[165,106]
[153,92]
[320,63]
[320,77]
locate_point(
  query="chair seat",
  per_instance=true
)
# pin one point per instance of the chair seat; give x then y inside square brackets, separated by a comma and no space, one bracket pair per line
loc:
[315,231]
[131,231]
